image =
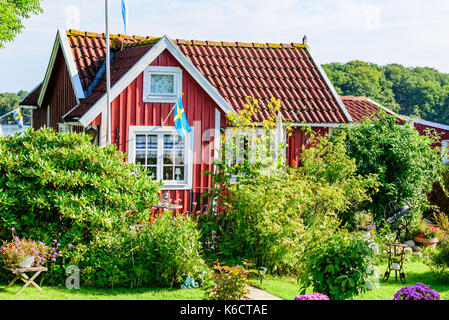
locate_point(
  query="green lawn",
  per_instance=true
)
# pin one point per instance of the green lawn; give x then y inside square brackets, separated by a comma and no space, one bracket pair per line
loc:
[88,293]
[287,288]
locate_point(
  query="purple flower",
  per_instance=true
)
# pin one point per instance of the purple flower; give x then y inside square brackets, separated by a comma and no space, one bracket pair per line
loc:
[13,229]
[417,292]
[312,296]
[70,245]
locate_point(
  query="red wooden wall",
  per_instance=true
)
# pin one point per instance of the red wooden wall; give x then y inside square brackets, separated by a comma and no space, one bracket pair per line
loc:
[59,96]
[421,128]
[128,109]
[297,140]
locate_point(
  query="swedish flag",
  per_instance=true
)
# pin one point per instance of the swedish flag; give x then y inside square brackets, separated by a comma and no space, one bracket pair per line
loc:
[125,14]
[18,117]
[181,123]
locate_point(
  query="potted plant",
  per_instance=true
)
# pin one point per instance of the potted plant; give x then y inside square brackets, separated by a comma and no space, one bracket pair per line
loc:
[26,253]
[427,234]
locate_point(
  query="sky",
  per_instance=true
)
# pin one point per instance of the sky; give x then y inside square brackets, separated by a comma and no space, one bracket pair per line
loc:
[409,32]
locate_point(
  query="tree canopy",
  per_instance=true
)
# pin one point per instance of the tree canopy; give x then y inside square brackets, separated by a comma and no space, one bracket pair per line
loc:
[421,91]
[12,13]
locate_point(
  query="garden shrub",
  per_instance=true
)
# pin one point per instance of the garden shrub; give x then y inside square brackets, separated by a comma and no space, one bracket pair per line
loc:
[263,224]
[228,283]
[339,266]
[404,161]
[265,216]
[439,261]
[60,186]
[169,249]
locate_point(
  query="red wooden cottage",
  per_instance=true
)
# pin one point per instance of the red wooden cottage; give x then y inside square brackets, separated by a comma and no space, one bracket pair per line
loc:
[147,77]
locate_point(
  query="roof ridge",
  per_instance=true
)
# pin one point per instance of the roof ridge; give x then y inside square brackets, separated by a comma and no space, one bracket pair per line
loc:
[354,98]
[150,40]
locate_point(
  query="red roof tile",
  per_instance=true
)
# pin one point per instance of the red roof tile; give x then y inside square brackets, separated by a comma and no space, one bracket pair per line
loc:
[236,69]
[361,108]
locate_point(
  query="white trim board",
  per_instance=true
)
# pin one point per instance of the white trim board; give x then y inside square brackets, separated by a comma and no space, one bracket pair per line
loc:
[142,64]
[63,42]
[428,123]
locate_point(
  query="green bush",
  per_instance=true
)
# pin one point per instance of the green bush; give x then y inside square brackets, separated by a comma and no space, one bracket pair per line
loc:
[404,161]
[439,261]
[339,266]
[170,250]
[265,216]
[263,223]
[60,186]
[228,283]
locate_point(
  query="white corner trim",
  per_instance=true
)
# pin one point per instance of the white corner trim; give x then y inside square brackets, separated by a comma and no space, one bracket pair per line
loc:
[103,130]
[73,71]
[142,64]
[217,134]
[385,109]
[189,151]
[63,42]
[430,124]
[329,84]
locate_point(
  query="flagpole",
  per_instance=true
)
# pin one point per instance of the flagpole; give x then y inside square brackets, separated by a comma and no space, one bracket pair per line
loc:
[108,74]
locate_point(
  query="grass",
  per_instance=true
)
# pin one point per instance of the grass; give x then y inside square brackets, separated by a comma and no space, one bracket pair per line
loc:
[89,293]
[417,271]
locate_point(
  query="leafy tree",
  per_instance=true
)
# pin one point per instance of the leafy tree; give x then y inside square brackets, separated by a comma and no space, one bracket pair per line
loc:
[10,101]
[404,161]
[12,12]
[421,92]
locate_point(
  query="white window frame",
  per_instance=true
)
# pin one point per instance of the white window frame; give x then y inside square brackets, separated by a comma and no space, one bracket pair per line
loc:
[188,153]
[445,150]
[156,70]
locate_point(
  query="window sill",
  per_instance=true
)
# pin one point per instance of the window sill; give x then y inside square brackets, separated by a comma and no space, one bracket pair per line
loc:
[176,187]
[160,99]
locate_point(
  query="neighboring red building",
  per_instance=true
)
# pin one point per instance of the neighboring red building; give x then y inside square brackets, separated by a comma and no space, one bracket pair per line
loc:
[147,77]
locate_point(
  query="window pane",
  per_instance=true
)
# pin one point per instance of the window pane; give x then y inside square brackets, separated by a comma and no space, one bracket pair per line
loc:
[168,173]
[179,173]
[140,157]
[162,83]
[140,142]
[168,157]
[168,141]
[179,156]
[151,171]
[152,157]
[152,141]
[179,144]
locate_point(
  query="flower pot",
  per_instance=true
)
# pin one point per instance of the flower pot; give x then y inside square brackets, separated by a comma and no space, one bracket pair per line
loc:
[27,262]
[428,242]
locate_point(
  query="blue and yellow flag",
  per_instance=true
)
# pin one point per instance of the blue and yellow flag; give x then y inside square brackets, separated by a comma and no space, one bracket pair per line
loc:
[125,14]
[18,117]
[181,123]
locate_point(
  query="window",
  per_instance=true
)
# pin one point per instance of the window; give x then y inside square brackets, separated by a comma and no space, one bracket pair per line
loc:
[163,154]
[445,150]
[251,145]
[162,84]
